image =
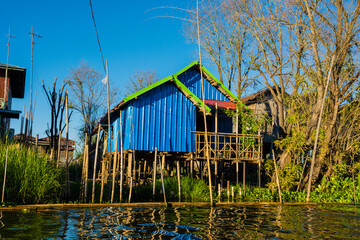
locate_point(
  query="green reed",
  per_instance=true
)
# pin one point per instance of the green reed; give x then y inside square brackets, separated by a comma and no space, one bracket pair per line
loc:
[30,177]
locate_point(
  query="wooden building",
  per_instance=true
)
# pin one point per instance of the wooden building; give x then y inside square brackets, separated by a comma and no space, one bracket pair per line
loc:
[167,119]
[15,88]
[263,104]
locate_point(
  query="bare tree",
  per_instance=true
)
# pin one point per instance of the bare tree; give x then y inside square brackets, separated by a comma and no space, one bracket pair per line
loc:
[88,96]
[56,99]
[226,41]
[141,79]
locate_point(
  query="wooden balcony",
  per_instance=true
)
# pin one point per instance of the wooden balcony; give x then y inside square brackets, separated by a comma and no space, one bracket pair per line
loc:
[229,146]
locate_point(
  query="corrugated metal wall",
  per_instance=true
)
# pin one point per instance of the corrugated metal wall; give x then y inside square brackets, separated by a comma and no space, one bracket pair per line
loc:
[192,80]
[162,118]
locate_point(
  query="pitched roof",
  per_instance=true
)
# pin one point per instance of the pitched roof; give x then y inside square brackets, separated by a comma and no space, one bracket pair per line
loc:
[181,87]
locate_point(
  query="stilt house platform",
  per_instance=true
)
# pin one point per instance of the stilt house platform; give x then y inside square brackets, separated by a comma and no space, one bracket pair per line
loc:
[166,119]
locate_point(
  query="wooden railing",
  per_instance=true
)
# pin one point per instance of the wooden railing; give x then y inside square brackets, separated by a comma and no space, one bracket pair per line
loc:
[229,146]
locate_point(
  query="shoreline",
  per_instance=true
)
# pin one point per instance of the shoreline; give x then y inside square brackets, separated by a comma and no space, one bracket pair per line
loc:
[152,204]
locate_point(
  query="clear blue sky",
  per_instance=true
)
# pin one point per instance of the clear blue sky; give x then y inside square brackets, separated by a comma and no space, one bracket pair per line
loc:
[129,41]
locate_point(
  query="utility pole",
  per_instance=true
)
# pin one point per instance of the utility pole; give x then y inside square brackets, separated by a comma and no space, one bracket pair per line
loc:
[6,70]
[31,77]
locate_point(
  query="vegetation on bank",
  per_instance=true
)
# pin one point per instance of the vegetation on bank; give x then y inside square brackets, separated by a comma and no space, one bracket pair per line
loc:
[32,178]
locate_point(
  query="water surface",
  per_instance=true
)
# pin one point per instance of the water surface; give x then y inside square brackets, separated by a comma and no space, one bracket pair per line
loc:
[241,222]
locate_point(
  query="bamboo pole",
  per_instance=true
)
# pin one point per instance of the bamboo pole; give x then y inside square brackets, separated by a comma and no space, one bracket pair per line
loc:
[95,163]
[59,149]
[318,131]
[259,174]
[67,145]
[237,145]
[86,171]
[83,172]
[121,157]
[192,165]
[277,177]
[216,143]
[154,171]
[203,98]
[178,177]
[162,176]
[244,172]
[5,168]
[130,172]
[103,169]
[114,168]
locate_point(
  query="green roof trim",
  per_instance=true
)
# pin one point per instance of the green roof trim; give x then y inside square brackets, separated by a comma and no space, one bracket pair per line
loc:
[186,68]
[220,83]
[191,94]
[148,88]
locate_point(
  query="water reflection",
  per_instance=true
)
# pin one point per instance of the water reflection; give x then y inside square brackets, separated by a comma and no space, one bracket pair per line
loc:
[243,222]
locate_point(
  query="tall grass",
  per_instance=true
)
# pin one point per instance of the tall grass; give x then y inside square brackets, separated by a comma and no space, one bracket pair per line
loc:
[30,177]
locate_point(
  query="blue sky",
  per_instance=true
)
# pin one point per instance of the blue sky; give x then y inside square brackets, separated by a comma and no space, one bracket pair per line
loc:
[130,42]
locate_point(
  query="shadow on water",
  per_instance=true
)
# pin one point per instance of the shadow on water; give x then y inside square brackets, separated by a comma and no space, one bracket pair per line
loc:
[242,222]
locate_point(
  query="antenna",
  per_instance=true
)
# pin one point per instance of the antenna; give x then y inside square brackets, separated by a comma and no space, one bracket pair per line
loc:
[3,104]
[31,76]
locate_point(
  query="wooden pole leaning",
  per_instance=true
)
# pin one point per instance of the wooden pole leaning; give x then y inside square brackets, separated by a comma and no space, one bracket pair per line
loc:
[95,164]
[121,158]
[162,176]
[5,168]
[114,168]
[178,177]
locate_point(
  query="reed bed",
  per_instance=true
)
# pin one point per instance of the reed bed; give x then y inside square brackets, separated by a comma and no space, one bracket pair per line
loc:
[30,177]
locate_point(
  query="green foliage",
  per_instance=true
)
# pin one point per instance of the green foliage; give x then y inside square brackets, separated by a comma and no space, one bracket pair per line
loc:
[249,122]
[192,190]
[30,178]
[288,177]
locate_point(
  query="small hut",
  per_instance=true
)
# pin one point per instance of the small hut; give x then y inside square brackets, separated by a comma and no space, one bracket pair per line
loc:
[167,118]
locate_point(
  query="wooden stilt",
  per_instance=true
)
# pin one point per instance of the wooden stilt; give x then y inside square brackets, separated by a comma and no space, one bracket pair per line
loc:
[154,171]
[244,170]
[145,166]
[191,165]
[162,176]
[83,173]
[114,168]
[216,145]
[259,174]
[237,172]
[130,167]
[95,165]
[178,177]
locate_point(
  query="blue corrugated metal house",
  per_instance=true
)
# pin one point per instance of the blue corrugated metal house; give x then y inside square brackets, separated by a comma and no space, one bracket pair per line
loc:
[167,113]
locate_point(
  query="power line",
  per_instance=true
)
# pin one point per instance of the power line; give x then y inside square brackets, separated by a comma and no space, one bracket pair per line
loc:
[97,35]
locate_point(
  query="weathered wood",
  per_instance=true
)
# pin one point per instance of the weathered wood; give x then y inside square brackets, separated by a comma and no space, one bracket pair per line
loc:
[162,176]
[86,172]
[154,171]
[95,165]
[83,172]
[178,177]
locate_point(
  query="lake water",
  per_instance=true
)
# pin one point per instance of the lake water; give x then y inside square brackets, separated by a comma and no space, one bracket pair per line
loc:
[241,222]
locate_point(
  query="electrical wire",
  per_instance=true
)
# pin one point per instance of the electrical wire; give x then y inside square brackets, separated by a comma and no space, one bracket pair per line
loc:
[97,35]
